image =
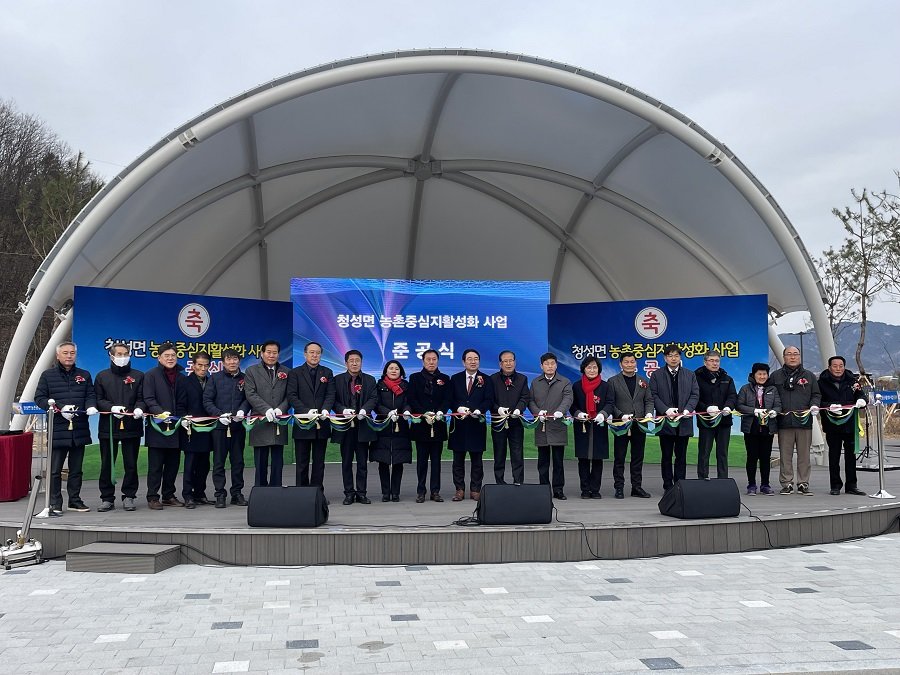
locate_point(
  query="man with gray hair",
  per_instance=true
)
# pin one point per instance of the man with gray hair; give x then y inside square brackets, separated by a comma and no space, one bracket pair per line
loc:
[70,391]
[718,397]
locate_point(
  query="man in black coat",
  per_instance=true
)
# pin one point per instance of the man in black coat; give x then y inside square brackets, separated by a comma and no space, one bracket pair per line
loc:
[165,396]
[841,387]
[354,399]
[429,395]
[631,398]
[510,400]
[675,392]
[70,390]
[118,392]
[310,392]
[717,395]
[471,396]
[197,444]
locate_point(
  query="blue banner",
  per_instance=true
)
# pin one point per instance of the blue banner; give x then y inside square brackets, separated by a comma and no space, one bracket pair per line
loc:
[735,326]
[399,319]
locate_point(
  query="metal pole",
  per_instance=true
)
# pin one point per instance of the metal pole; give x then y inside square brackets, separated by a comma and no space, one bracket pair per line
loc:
[879,445]
[45,466]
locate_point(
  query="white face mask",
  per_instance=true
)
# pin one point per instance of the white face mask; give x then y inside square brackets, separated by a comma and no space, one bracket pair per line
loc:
[121,361]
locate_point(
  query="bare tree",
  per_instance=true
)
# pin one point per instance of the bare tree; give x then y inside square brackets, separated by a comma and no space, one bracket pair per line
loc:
[840,301]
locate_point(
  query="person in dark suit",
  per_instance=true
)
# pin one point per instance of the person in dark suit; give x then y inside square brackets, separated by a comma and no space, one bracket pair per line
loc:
[429,396]
[197,444]
[310,392]
[631,398]
[675,392]
[841,387]
[471,395]
[592,406]
[717,395]
[392,449]
[510,400]
[354,398]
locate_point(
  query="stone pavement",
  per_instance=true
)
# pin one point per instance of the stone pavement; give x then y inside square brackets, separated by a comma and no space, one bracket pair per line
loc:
[813,609]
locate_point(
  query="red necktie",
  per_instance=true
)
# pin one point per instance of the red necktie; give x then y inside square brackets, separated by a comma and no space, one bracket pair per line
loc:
[469,386]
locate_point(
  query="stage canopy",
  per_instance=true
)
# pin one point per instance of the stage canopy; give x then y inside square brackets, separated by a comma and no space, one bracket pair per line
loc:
[434,164]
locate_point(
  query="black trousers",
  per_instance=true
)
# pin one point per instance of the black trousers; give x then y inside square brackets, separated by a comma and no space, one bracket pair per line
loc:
[232,449]
[196,471]
[310,449]
[75,453]
[352,448]
[759,453]
[677,445]
[428,452]
[261,456]
[162,470]
[839,444]
[590,472]
[545,453]
[391,475]
[718,436]
[108,457]
[638,440]
[476,475]
[514,437]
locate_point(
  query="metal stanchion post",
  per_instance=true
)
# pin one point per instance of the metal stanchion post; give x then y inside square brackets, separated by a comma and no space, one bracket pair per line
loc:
[45,464]
[879,444]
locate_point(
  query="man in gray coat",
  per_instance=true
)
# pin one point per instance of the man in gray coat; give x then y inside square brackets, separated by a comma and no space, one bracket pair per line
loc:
[675,392]
[798,389]
[632,398]
[551,396]
[265,385]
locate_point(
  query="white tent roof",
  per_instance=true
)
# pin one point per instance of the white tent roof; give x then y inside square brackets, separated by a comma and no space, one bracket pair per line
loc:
[436,164]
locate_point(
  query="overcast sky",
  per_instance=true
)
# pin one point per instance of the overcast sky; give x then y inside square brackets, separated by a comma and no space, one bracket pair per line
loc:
[807,94]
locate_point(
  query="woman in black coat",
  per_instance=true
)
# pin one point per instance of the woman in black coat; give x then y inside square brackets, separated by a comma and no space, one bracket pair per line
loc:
[592,402]
[759,405]
[393,448]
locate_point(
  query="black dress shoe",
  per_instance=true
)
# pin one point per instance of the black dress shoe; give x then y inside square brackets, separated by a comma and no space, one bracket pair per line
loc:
[348,500]
[385,498]
[835,491]
[855,491]
[190,503]
[559,495]
[620,494]
[585,495]
[203,500]
[596,495]
[362,499]
[220,502]
[640,492]
[420,498]
[395,498]
[238,500]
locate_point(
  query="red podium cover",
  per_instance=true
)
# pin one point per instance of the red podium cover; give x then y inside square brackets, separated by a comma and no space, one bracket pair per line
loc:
[15,466]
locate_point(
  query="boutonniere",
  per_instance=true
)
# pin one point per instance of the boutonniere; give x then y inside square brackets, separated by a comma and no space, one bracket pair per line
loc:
[803,382]
[79,379]
[508,382]
[323,379]
[129,380]
[357,388]
[281,375]
[439,383]
[479,381]
[856,386]
[643,384]
[240,385]
[596,400]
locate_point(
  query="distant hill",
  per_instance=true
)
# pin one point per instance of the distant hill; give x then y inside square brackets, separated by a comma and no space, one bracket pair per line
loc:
[881,353]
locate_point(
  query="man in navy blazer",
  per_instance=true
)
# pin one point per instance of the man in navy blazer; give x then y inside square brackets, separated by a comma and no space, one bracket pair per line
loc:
[471,396]
[310,391]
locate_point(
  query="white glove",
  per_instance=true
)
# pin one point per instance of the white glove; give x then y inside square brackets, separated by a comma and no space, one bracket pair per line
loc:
[557,415]
[834,407]
[118,411]
[542,414]
[582,416]
[348,412]
[627,417]
[600,418]
[671,412]
[463,410]
[186,422]
[439,415]
[240,415]
[712,409]
[164,415]
[312,414]
[138,413]
[51,402]
[772,413]
[726,410]
[503,411]
[686,412]
[476,412]
[407,414]
[225,419]
[361,414]
[393,415]
[270,415]
[759,411]
[91,411]
[68,411]
[860,404]
[516,413]
[814,410]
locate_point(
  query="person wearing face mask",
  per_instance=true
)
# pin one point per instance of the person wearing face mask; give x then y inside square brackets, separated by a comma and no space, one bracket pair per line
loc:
[759,405]
[841,387]
[675,392]
[592,406]
[118,392]
[799,391]
[392,449]
[71,391]
[551,397]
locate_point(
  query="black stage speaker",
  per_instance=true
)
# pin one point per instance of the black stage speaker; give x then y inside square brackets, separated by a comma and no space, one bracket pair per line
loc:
[287,507]
[714,498]
[515,505]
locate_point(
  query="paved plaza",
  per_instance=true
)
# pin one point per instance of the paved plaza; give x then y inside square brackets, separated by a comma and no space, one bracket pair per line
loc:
[812,609]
